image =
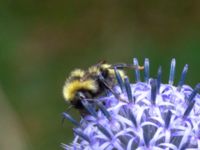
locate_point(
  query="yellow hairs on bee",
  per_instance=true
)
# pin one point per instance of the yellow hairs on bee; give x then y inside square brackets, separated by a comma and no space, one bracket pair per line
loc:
[77,73]
[70,89]
[105,66]
[93,69]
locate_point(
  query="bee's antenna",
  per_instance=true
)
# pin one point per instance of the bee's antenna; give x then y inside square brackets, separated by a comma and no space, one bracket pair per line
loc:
[69,107]
[62,121]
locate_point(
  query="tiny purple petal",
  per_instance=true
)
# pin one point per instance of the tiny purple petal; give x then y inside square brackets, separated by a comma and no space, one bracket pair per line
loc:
[156,116]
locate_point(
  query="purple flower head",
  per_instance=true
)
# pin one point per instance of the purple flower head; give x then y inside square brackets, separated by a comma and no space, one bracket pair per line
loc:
[146,115]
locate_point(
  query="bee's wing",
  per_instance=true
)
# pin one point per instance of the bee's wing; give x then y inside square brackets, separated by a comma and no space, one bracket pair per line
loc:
[100,63]
[89,74]
[85,77]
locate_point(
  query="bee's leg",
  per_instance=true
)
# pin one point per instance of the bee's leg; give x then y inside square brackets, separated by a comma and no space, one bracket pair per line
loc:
[68,109]
[104,82]
[131,66]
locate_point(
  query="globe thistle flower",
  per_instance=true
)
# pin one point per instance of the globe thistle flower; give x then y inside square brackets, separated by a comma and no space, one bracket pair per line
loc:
[155,115]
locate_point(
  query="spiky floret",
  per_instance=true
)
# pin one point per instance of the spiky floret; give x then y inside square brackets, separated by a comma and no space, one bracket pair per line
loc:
[156,116]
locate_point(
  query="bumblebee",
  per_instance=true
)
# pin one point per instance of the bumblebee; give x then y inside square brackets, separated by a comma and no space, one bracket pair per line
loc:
[92,83]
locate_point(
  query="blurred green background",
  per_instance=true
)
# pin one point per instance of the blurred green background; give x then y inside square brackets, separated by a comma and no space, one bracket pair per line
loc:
[42,41]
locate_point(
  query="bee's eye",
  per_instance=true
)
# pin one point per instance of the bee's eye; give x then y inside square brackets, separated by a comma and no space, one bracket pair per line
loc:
[81,95]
